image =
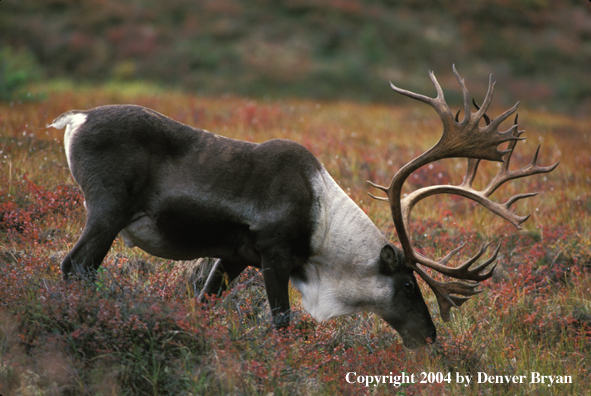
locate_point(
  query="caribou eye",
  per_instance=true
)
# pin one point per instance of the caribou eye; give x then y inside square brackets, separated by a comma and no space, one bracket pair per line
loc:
[409,287]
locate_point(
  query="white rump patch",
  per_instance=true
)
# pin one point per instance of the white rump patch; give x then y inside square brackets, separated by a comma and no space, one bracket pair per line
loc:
[72,122]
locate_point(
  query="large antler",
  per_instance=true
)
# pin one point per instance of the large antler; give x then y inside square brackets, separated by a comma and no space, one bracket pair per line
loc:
[460,139]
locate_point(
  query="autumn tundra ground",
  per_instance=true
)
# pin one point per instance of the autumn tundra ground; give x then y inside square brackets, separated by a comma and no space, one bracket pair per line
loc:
[137,328]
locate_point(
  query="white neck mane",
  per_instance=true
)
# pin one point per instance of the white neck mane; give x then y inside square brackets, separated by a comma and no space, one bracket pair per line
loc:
[343,271]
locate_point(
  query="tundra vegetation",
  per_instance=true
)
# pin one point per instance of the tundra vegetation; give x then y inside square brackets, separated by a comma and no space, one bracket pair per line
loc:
[138,328]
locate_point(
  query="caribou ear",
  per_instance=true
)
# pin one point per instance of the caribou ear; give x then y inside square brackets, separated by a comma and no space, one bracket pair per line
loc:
[389,260]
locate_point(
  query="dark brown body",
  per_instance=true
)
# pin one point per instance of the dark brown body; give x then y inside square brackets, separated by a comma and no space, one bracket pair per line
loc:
[182,193]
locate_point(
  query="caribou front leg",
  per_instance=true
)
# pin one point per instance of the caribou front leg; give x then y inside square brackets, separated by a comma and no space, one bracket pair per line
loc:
[276,273]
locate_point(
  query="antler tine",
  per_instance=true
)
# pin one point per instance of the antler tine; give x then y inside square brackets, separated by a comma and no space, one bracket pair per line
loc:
[474,162]
[517,197]
[511,145]
[485,116]
[475,271]
[466,96]
[470,172]
[487,99]
[410,94]
[460,139]
[494,124]
[437,86]
[463,271]
[452,253]
[505,175]
[378,198]
[443,292]
[384,189]
[438,102]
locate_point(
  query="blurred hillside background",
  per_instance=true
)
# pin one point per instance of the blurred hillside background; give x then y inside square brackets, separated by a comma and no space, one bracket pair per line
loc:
[538,50]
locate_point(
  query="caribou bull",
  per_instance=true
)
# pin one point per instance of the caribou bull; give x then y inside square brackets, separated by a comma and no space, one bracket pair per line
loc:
[181,193]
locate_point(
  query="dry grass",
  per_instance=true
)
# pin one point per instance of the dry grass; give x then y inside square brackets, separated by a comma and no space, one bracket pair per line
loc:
[138,329]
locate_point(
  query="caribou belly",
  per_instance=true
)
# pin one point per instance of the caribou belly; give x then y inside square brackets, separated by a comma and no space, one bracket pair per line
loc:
[229,242]
[143,233]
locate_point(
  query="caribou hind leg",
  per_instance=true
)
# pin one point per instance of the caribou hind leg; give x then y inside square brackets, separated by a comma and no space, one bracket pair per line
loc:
[221,275]
[100,230]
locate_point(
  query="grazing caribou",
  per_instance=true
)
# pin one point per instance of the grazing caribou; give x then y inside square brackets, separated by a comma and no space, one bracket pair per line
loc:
[181,193]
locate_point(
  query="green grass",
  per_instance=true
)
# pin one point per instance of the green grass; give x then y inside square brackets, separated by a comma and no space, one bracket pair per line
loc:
[139,330]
